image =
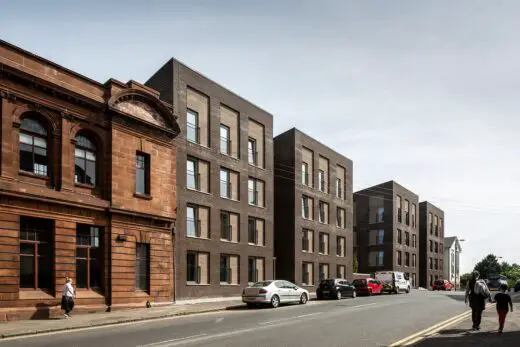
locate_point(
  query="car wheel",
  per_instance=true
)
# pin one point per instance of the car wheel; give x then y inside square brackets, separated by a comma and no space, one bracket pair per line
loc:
[408,290]
[275,301]
[303,299]
[370,293]
[338,295]
[354,294]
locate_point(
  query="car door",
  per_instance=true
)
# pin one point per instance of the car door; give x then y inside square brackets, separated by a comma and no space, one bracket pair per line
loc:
[292,293]
[347,289]
[282,291]
[399,280]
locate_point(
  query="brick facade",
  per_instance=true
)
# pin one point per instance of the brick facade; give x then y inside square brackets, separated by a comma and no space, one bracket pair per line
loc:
[120,120]
[394,222]
[188,90]
[431,235]
[292,148]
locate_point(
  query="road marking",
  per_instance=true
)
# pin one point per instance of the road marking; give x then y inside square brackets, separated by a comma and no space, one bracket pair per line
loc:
[291,318]
[172,340]
[218,320]
[414,338]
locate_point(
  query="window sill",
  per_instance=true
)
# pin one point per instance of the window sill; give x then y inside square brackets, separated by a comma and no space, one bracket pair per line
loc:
[255,245]
[340,256]
[197,238]
[141,293]
[230,156]
[143,196]
[34,294]
[229,241]
[255,166]
[33,175]
[196,284]
[340,227]
[307,218]
[226,198]
[229,284]
[323,223]
[197,190]
[255,205]
[323,253]
[305,251]
[84,185]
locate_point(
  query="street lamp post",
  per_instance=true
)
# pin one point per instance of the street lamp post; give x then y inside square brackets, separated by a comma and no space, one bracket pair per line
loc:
[456,262]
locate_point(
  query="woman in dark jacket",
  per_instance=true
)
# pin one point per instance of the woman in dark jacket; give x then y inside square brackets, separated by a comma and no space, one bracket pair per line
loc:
[476,293]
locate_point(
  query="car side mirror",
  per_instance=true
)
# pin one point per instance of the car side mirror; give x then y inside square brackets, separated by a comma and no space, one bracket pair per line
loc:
[295,287]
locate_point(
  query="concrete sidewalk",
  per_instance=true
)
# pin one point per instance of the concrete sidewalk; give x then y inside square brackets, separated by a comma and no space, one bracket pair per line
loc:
[461,335]
[30,327]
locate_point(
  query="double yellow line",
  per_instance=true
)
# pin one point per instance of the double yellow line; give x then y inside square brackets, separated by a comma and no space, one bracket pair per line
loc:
[423,334]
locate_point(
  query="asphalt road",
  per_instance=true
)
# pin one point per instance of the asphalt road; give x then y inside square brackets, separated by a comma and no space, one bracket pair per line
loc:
[364,321]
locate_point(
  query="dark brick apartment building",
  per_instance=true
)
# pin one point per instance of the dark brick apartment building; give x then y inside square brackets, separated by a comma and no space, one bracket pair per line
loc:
[431,241]
[87,189]
[313,210]
[224,236]
[387,230]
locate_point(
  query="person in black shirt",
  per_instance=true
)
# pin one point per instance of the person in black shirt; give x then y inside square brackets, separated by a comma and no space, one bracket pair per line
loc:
[504,302]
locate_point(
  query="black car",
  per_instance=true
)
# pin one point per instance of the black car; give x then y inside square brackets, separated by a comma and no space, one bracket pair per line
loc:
[337,288]
[517,286]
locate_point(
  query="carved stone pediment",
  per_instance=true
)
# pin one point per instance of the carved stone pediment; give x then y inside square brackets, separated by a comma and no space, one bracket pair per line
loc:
[141,110]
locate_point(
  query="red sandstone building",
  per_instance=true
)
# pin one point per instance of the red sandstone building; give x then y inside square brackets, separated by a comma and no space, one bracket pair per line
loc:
[87,189]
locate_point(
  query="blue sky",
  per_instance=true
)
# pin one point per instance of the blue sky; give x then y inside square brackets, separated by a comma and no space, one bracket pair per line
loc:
[422,92]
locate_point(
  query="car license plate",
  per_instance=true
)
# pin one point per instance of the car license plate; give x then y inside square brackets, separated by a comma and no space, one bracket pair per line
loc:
[325,292]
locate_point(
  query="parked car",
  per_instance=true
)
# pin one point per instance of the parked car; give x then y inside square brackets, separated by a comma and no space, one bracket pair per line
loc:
[274,293]
[495,282]
[393,281]
[337,288]
[442,285]
[368,286]
[517,286]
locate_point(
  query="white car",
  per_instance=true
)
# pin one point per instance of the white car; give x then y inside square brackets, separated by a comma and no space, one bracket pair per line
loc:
[274,293]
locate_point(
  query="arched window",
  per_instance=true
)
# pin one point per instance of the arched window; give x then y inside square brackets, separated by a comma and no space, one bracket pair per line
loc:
[85,161]
[33,147]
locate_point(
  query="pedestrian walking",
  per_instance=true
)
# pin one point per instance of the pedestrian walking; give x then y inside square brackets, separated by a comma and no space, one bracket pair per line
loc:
[477,292]
[67,298]
[504,302]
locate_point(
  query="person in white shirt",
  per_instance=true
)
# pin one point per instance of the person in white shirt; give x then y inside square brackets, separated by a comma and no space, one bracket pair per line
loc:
[67,299]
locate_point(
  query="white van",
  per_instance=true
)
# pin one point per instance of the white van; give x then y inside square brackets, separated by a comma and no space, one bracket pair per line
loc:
[393,281]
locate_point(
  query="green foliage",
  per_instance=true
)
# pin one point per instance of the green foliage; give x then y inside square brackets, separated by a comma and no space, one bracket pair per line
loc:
[488,266]
[355,264]
[464,279]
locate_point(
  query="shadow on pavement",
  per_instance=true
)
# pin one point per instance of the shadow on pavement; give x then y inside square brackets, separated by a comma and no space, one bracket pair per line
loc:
[460,338]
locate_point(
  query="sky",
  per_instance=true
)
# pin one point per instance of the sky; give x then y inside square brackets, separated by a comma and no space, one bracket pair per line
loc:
[421,92]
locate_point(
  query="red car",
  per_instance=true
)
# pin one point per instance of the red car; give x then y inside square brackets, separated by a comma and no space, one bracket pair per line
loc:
[442,285]
[368,286]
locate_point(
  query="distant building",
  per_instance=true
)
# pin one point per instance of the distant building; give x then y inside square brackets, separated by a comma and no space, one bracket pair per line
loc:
[387,229]
[313,210]
[431,239]
[452,252]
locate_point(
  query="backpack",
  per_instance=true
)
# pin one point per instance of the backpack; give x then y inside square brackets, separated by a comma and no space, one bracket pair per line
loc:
[479,288]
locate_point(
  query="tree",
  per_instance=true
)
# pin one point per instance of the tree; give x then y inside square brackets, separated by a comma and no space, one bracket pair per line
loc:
[355,264]
[464,279]
[488,266]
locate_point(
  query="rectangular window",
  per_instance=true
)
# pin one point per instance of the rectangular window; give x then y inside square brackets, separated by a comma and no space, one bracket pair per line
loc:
[323,212]
[340,271]
[399,208]
[197,268]
[376,237]
[399,259]
[407,212]
[192,126]
[321,180]
[436,247]
[255,192]
[431,246]
[36,253]
[225,140]
[229,226]
[142,173]
[192,174]
[407,259]
[399,236]
[192,222]
[436,225]
[324,243]
[88,256]
[414,264]
[414,241]
[255,231]
[380,257]
[414,213]
[252,154]
[375,258]
[340,244]
[430,222]
[340,217]
[229,269]
[255,269]
[307,204]
[307,240]
[436,264]
[407,238]
[324,271]
[380,215]
[305,174]
[430,261]
[339,185]
[142,267]
[307,274]
[225,183]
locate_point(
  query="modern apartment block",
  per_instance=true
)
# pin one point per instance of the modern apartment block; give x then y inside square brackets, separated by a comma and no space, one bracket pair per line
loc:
[313,210]
[224,228]
[431,239]
[87,189]
[387,230]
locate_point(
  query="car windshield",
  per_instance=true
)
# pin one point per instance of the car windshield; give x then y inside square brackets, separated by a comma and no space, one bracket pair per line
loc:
[439,282]
[359,283]
[327,282]
[261,284]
